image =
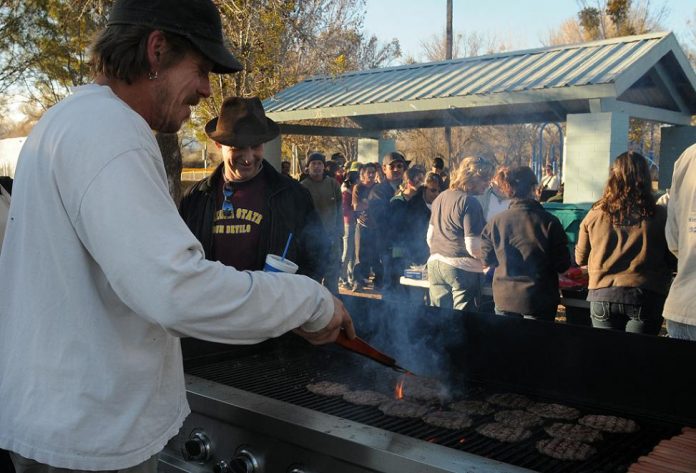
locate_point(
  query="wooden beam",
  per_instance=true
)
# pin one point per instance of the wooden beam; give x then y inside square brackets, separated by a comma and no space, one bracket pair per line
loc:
[646,113]
[664,78]
[312,130]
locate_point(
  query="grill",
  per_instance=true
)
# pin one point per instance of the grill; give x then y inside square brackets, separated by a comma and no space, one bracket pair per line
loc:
[595,371]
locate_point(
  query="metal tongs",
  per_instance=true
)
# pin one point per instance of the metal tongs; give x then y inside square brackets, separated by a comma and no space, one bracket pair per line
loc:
[361,347]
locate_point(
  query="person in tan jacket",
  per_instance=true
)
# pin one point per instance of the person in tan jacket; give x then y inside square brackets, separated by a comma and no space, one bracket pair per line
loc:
[622,242]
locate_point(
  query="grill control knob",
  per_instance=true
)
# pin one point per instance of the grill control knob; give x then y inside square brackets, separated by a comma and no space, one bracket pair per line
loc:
[197,448]
[297,469]
[222,467]
[244,462]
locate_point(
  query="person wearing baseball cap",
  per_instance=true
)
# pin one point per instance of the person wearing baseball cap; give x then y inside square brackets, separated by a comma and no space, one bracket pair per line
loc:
[95,298]
[394,165]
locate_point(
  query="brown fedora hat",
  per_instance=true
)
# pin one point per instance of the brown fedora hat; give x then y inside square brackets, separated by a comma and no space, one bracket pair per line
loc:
[242,122]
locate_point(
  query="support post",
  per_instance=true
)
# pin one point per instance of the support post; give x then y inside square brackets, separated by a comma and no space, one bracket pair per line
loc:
[593,141]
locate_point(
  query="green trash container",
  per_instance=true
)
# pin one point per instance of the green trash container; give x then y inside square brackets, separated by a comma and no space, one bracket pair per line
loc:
[570,216]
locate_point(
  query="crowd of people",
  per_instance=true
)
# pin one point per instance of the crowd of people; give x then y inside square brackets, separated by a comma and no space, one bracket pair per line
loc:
[488,220]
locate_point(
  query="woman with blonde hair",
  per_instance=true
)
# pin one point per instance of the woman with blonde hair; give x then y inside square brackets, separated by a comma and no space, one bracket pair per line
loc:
[622,242]
[454,268]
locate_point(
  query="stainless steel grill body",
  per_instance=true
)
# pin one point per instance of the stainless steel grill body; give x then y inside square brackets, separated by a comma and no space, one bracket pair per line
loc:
[256,396]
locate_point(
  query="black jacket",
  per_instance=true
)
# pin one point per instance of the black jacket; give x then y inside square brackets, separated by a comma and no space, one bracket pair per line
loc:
[377,212]
[529,248]
[291,211]
[408,226]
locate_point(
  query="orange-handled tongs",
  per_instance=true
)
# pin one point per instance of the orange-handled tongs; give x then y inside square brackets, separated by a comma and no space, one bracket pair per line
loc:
[361,347]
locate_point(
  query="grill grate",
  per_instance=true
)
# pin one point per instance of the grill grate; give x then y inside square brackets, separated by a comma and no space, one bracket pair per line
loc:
[282,373]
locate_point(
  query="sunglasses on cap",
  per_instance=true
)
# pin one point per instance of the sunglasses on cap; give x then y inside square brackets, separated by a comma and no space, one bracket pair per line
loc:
[227,207]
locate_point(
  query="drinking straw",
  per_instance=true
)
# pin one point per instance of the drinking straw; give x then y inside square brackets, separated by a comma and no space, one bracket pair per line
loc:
[287,245]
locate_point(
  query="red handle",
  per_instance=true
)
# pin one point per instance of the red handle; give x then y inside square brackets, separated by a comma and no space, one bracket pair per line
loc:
[360,346]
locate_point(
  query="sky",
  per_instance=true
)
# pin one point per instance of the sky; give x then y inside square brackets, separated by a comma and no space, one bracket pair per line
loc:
[515,22]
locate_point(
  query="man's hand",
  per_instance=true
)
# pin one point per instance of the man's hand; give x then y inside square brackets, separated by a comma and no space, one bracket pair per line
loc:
[341,321]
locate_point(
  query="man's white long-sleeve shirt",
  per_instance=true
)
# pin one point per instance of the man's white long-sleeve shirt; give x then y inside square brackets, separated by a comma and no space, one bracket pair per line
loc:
[681,239]
[100,276]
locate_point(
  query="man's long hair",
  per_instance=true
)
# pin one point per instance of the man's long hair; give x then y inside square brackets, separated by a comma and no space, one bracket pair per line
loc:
[120,52]
[628,195]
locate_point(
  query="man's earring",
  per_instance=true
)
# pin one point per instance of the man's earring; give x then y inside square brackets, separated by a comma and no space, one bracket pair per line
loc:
[152,75]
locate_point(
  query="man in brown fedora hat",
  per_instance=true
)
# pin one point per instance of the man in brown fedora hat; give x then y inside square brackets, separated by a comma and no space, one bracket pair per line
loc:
[246,209]
[100,276]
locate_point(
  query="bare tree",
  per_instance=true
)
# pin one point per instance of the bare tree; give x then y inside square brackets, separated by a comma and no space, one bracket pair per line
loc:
[602,19]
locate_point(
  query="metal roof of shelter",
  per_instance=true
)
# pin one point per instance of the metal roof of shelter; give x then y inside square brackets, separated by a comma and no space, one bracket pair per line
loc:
[646,76]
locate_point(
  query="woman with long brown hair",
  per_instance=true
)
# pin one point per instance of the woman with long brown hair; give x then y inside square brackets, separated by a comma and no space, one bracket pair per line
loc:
[622,241]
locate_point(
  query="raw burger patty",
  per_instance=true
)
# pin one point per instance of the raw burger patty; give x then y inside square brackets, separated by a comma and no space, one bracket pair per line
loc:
[448,420]
[610,423]
[511,400]
[565,449]
[554,411]
[577,432]
[365,398]
[518,418]
[327,388]
[403,409]
[504,433]
[480,408]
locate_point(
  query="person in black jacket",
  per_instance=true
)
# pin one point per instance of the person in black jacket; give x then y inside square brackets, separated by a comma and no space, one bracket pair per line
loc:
[528,248]
[394,166]
[246,209]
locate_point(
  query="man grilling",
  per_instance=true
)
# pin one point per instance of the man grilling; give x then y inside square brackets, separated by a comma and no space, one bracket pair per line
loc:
[98,283]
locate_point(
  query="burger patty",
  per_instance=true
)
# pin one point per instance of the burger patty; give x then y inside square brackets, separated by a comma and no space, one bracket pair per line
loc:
[504,433]
[511,400]
[448,419]
[554,411]
[479,408]
[328,388]
[518,418]
[365,398]
[576,432]
[563,449]
[610,423]
[403,409]
[425,390]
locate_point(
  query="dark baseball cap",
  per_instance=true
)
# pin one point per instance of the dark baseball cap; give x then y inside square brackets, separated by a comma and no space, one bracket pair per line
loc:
[316,156]
[196,20]
[395,157]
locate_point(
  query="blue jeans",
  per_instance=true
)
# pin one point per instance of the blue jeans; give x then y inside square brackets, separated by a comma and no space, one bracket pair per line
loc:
[348,257]
[453,288]
[645,318]
[681,331]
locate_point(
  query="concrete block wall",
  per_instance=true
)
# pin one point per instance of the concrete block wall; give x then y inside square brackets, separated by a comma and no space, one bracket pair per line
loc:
[593,140]
[371,150]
